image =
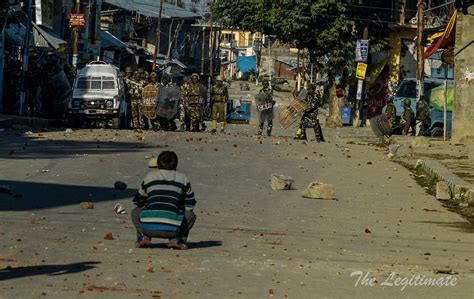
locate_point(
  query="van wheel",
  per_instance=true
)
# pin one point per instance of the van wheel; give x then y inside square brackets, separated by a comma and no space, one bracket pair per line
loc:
[116,123]
[437,132]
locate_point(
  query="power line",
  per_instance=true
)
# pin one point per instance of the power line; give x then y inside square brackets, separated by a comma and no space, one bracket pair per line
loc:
[379,7]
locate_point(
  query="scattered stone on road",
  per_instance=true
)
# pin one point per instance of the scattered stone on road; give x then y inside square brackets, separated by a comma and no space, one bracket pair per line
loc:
[443,192]
[280,182]
[86,205]
[153,163]
[120,185]
[420,141]
[319,190]
[470,197]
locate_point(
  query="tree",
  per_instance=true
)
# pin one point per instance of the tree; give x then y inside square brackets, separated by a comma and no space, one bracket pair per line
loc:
[327,28]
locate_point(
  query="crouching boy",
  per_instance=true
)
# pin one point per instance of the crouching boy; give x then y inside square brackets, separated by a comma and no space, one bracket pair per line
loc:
[165,203]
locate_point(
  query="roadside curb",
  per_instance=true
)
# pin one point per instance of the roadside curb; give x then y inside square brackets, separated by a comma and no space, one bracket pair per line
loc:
[459,187]
[10,121]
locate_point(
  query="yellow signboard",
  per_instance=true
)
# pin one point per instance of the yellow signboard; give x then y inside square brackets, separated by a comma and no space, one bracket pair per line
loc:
[361,69]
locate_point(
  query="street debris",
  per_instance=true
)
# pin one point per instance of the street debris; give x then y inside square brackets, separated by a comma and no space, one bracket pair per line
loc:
[367,231]
[45,170]
[109,237]
[420,141]
[319,190]
[120,185]
[5,189]
[153,163]
[68,130]
[443,191]
[445,271]
[119,209]
[86,205]
[280,182]
[431,210]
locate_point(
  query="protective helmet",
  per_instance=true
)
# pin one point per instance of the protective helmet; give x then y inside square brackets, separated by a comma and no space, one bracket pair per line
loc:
[153,75]
[145,74]
[195,75]
[219,78]
[140,70]
[406,102]
[128,69]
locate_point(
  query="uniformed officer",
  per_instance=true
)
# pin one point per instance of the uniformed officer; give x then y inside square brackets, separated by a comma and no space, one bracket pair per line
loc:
[390,116]
[136,88]
[265,96]
[183,117]
[219,99]
[193,100]
[422,116]
[408,118]
[310,116]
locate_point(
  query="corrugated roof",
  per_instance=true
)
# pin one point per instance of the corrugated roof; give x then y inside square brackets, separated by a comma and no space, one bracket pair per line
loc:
[151,8]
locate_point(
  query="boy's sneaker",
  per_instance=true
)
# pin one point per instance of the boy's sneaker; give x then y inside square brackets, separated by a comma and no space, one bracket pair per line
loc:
[143,242]
[177,244]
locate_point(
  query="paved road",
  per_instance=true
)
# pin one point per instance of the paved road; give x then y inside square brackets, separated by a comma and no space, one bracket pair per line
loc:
[249,241]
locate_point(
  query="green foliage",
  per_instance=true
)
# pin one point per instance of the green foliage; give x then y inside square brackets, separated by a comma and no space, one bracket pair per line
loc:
[327,28]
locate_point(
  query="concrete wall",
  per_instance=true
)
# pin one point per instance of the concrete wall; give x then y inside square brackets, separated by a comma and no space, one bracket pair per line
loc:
[463,108]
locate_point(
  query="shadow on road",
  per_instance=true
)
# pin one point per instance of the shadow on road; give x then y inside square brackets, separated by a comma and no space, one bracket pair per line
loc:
[463,226]
[193,245]
[29,195]
[20,146]
[53,270]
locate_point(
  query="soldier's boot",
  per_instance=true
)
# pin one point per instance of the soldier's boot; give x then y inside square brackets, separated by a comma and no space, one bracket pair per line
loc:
[214,126]
[260,129]
[269,128]
[222,126]
[318,133]
[195,126]
[300,133]
[203,127]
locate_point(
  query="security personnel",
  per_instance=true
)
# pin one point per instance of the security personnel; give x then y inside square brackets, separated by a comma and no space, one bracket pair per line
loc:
[390,116]
[193,99]
[422,116]
[310,116]
[136,89]
[266,115]
[408,118]
[219,99]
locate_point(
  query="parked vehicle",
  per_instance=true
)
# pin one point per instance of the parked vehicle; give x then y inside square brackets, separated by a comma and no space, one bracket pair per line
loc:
[434,96]
[98,97]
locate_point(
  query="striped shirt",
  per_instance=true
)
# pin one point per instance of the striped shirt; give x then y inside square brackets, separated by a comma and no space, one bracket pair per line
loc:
[164,195]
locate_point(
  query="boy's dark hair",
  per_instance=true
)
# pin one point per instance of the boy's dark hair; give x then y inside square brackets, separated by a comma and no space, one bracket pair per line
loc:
[167,160]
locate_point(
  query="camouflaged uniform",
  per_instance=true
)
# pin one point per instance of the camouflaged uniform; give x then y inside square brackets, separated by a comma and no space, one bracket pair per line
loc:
[422,115]
[193,98]
[266,115]
[135,90]
[408,118]
[183,117]
[310,118]
[219,99]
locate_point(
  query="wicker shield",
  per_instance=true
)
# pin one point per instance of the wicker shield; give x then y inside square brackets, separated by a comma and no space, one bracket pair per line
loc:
[292,113]
[380,126]
[168,101]
[149,96]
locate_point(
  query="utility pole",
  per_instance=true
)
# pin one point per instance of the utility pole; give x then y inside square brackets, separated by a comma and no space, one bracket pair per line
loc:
[420,51]
[202,48]
[158,33]
[75,41]
[26,52]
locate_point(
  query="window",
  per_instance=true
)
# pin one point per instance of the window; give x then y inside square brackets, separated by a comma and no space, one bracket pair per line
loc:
[96,83]
[407,89]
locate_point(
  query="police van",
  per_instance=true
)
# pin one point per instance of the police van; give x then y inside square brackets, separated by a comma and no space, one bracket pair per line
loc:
[98,97]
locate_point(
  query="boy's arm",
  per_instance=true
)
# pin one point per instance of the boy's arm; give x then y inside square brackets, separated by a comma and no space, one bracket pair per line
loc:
[189,200]
[141,197]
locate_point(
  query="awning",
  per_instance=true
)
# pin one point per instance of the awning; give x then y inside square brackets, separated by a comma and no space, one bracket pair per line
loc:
[108,40]
[151,8]
[446,39]
[42,37]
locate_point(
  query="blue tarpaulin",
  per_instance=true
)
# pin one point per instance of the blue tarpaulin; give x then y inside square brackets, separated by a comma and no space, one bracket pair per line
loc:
[247,63]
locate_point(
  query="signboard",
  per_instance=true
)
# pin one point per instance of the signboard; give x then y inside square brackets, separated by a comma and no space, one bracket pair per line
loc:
[362,50]
[361,69]
[44,10]
[77,20]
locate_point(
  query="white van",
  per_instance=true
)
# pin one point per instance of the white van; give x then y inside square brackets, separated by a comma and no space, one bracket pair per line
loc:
[98,96]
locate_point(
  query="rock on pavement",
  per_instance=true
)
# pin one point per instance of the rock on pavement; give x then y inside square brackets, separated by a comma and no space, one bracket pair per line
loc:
[319,190]
[443,192]
[420,141]
[280,182]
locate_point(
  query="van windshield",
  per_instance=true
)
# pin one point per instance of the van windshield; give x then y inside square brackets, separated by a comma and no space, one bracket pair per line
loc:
[96,83]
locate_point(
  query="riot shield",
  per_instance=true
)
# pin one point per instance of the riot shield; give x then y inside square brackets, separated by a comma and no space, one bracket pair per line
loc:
[380,126]
[168,101]
[149,95]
